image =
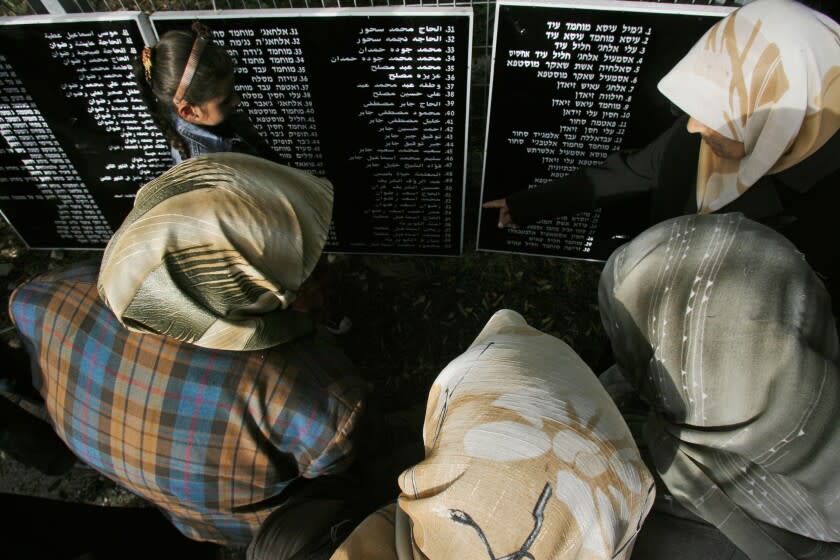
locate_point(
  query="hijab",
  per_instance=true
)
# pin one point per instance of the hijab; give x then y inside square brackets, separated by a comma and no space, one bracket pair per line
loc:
[767,75]
[727,332]
[526,457]
[215,251]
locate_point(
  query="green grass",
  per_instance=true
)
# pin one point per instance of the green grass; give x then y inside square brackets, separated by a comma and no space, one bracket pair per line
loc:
[412,315]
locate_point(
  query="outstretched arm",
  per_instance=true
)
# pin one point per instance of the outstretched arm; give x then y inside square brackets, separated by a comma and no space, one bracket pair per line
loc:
[622,175]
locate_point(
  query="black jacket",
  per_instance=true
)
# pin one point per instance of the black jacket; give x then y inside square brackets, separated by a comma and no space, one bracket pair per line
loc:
[802,202]
[666,171]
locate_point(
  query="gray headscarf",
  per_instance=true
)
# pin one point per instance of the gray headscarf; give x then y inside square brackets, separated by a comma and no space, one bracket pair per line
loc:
[215,250]
[728,333]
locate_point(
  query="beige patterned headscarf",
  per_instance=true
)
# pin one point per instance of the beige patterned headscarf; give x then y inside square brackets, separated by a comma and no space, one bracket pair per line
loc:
[768,75]
[215,250]
[728,333]
[526,457]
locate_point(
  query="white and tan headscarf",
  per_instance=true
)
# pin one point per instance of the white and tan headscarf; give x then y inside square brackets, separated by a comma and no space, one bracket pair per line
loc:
[767,75]
[729,334]
[215,250]
[526,457]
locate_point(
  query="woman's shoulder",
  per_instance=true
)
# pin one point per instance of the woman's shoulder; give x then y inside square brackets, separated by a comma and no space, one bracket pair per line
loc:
[813,169]
[200,140]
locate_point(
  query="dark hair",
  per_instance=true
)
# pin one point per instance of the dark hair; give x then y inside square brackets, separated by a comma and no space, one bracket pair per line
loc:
[168,60]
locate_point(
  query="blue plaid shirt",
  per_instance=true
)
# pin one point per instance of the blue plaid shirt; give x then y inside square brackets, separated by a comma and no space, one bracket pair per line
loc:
[209,436]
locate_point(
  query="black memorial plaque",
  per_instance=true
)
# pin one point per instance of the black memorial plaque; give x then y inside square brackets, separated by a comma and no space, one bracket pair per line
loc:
[572,83]
[375,100]
[76,141]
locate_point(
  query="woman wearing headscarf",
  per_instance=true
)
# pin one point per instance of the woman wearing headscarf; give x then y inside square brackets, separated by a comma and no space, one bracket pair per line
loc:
[526,457]
[193,381]
[216,251]
[728,335]
[761,97]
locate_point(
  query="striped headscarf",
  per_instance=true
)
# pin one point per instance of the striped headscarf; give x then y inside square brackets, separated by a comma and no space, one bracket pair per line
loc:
[526,457]
[723,327]
[216,249]
[768,75]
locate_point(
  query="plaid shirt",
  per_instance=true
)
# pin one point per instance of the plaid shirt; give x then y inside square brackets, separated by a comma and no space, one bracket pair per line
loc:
[209,436]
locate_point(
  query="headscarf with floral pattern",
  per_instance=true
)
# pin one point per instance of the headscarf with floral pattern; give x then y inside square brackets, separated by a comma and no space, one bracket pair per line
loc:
[767,75]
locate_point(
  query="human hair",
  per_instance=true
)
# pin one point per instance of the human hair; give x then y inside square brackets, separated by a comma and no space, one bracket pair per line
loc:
[161,75]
